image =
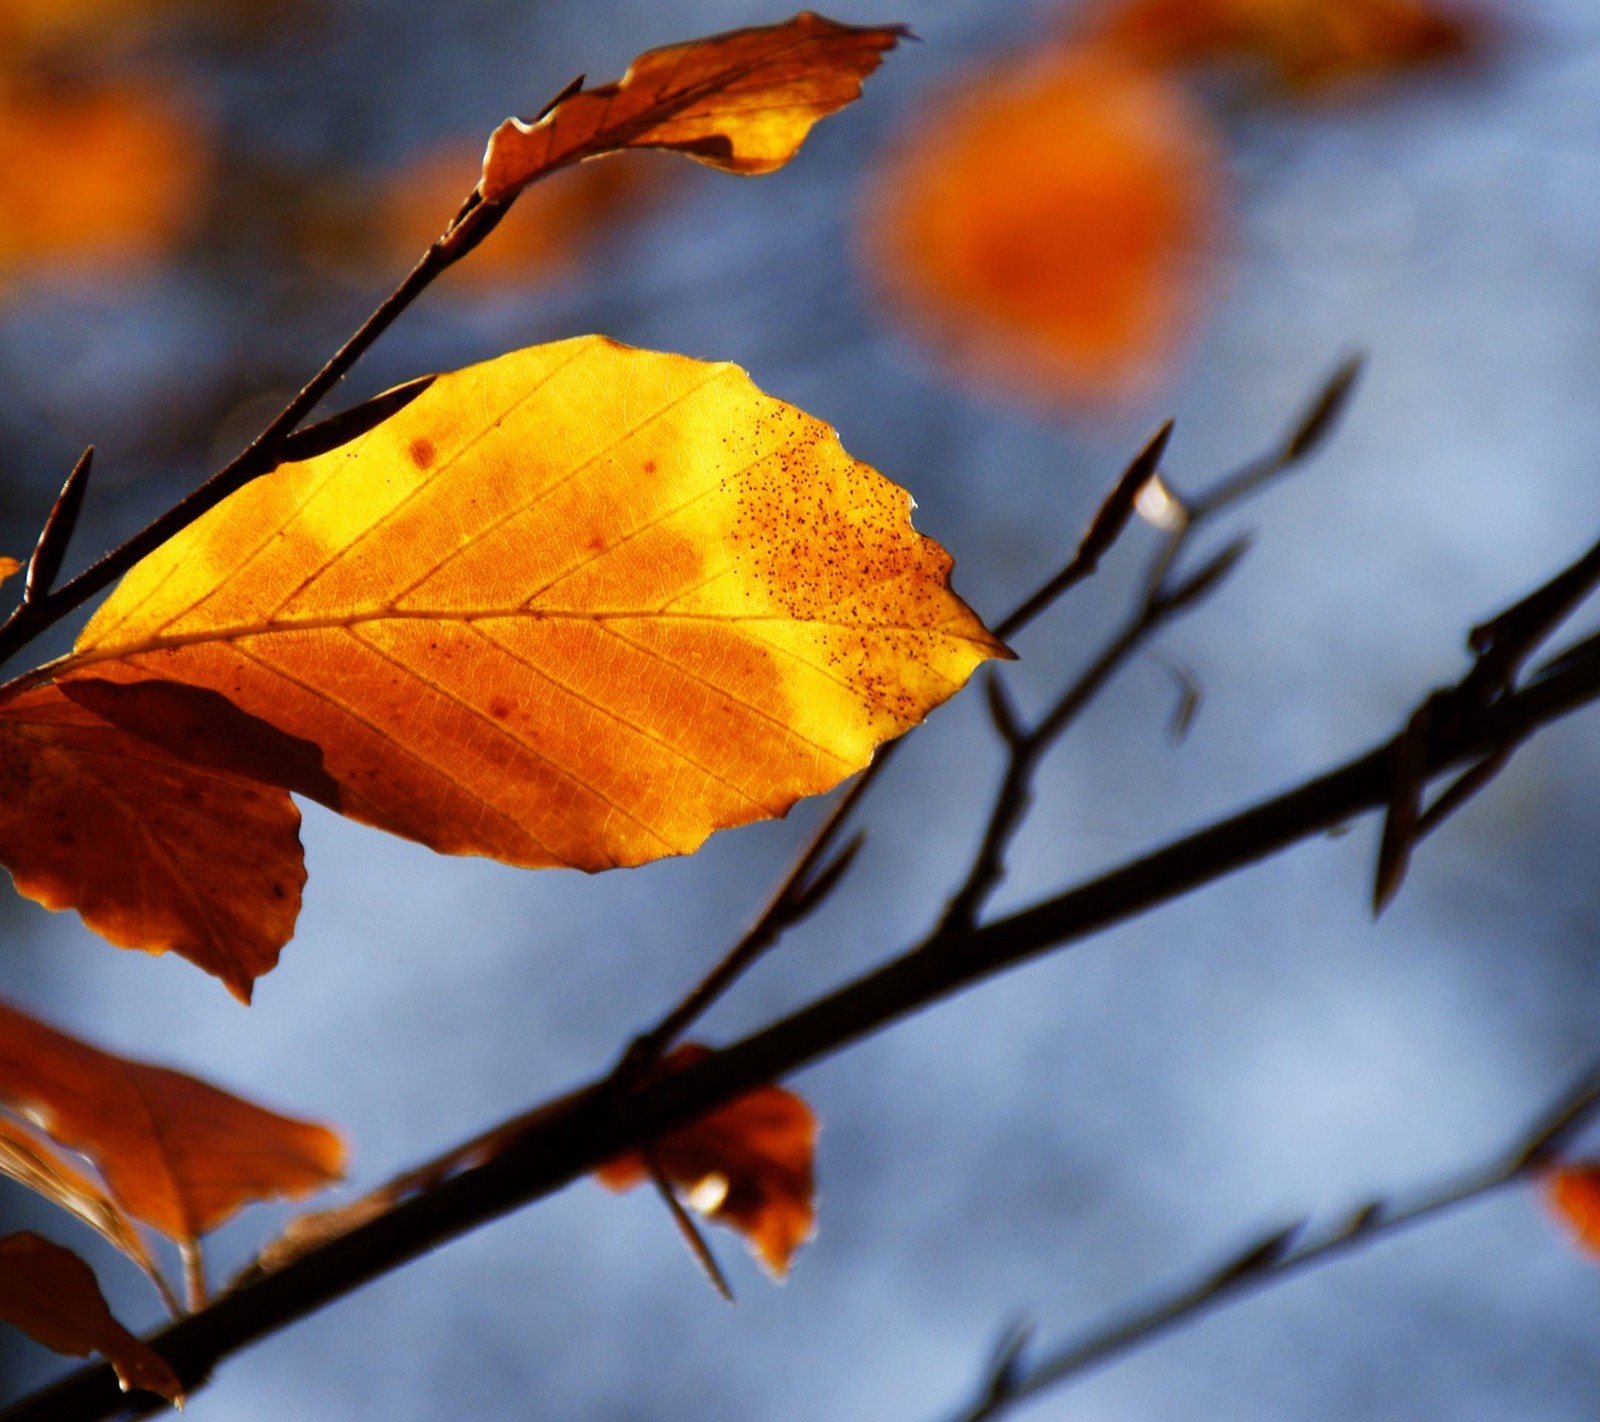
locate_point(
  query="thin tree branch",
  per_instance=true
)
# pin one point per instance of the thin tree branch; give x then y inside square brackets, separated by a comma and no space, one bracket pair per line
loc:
[576,1133]
[1280,1255]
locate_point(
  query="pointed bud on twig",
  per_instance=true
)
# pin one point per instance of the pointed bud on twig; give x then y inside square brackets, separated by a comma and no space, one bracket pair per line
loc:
[1258,1257]
[1407,776]
[1113,515]
[1207,577]
[1005,1367]
[1324,412]
[57,531]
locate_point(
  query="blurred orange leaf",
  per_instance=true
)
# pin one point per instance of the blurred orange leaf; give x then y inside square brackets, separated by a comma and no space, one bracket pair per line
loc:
[748,1165]
[154,852]
[108,179]
[579,605]
[1306,43]
[175,1152]
[1573,1194]
[743,101]
[51,1295]
[1051,226]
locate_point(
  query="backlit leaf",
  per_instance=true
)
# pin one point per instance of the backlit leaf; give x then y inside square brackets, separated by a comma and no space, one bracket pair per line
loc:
[748,1165]
[178,1154]
[155,852]
[1306,43]
[742,101]
[1051,227]
[580,605]
[1573,1193]
[51,1295]
[31,1162]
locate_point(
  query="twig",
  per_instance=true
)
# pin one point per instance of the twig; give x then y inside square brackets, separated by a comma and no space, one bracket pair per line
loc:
[688,1229]
[576,1134]
[1158,603]
[1502,646]
[1277,1256]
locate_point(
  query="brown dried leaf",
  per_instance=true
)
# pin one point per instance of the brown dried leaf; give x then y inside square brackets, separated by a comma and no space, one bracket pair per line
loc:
[748,1165]
[176,1153]
[743,101]
[155,852]
[52,1296]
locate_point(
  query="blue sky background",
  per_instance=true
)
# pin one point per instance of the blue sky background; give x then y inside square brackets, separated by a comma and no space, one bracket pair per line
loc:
[1091,1128]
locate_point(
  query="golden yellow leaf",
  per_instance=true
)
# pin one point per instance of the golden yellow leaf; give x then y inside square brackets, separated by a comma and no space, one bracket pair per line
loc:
[579,605]
[176,1152]
[743,101]
[154,851]
[52,1296]
[1050,227]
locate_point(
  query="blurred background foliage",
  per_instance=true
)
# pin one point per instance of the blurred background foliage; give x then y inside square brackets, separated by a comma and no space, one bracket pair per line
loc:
[1043,229]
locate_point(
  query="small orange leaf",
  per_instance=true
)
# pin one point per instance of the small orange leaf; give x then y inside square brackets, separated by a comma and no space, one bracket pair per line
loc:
[748,1165]
[581,605]
[1051,227]
[1573,1194]
[154,852]
[52,1296]
[176,1153]
[109,178]
[1308,44]
[9,568]
[743,101]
